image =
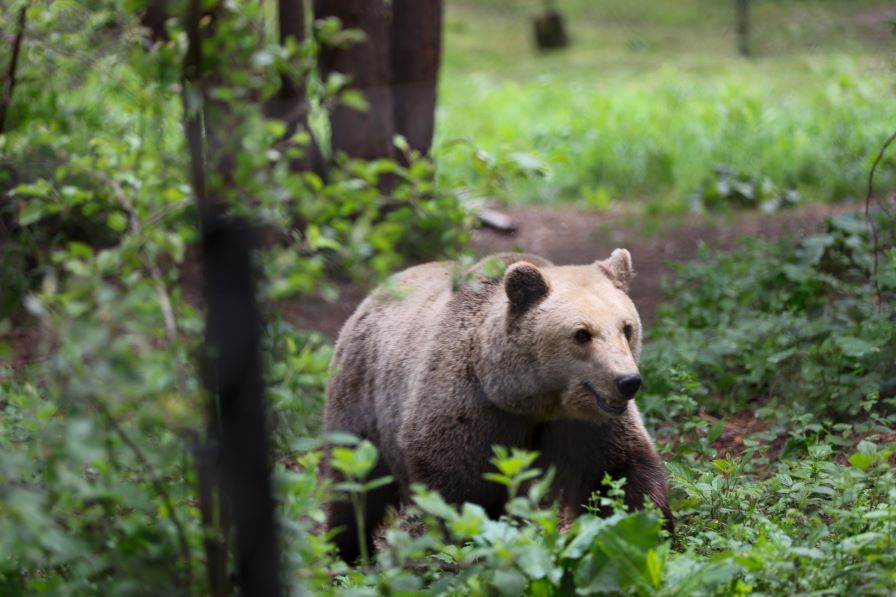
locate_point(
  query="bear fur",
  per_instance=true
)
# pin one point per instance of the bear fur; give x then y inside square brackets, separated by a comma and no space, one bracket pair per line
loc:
[438,365]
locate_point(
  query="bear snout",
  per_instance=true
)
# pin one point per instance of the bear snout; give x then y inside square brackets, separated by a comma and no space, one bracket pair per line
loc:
[628,385]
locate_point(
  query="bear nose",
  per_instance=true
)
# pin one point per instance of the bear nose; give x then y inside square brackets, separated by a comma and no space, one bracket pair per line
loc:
[628,385]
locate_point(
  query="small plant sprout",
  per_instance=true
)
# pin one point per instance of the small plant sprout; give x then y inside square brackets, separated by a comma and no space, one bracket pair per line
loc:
[356,463]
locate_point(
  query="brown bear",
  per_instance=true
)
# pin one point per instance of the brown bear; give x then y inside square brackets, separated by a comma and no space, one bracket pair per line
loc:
[437,366]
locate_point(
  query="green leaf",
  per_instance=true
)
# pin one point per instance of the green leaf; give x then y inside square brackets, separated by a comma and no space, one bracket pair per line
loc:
[470,522]
[725,466]
[31,212]
[355,462]
[498,478]
[354,99]
[855,347]
[583,532]
[377,483]
[535,561]
[509,582]
[432,503]
[861,461]
[654,568]
[716,430]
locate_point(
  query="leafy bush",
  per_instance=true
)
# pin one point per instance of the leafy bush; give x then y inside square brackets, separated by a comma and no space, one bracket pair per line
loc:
[795,322]
[727,189]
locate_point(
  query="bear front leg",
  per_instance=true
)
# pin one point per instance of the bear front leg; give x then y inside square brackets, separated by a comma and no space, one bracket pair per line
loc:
[645,476]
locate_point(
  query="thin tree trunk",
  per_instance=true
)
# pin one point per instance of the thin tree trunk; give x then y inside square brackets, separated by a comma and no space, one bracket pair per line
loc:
[9,81]
[742,26]
[291,103]
[416,51]
[368,134]
[237,420]
[153,19]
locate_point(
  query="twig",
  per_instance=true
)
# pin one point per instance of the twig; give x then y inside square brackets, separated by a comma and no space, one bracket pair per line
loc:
[875,247]
[10,81]
[150,264]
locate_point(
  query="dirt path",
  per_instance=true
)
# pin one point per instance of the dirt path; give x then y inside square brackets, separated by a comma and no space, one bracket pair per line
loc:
[561,234]
[567,236]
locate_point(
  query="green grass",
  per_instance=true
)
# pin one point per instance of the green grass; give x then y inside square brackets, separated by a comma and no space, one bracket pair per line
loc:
[652,95]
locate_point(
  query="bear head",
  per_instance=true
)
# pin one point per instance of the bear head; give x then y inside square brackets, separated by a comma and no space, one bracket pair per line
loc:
[570,342]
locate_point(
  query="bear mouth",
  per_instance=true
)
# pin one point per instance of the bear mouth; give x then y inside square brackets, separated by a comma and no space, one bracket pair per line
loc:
[611,407]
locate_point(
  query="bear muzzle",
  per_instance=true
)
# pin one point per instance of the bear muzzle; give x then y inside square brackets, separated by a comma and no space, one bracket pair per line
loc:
[610,406]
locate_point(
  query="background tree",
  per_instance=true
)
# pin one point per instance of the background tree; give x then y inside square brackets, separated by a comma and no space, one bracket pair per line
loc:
[153,19]
[238,439]
[291,104]
[9,76]
[416,52]
[742,26]
[365,134]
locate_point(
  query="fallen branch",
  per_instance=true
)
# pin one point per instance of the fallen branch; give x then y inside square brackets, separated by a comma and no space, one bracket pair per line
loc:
[496,220]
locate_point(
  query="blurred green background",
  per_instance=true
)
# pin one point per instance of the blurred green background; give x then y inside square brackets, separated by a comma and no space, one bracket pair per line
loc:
[652,95]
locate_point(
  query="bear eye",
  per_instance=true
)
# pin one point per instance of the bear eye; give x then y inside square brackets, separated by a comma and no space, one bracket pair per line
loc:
[628,331]
[582,336]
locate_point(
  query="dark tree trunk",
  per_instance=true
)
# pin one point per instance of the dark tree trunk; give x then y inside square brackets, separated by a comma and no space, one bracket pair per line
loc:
[233,335]
[550,32]
[237,445]
[742,26]
[368,134]
[416,51]
[9,78]
[291,103]
[153,19]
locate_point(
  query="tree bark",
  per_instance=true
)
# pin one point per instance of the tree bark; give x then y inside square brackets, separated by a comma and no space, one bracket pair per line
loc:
[368,134]
[416,52]
[153,19]
[9,80]
[238,444]
[291,102]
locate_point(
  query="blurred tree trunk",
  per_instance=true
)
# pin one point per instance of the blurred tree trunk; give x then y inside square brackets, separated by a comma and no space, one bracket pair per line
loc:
[361,134]
[9,78]
[742,26]
[550,29]
[237,447]
[153,19]
[416,51]
[291,103]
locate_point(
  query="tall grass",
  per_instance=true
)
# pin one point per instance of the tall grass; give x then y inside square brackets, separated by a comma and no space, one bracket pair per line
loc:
[663,135]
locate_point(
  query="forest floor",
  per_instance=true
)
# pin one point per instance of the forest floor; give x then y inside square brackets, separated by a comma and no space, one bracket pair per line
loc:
[566,235]
[563,235]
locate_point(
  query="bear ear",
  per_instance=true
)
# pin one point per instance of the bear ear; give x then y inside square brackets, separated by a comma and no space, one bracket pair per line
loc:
[525,285]
[618,268]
